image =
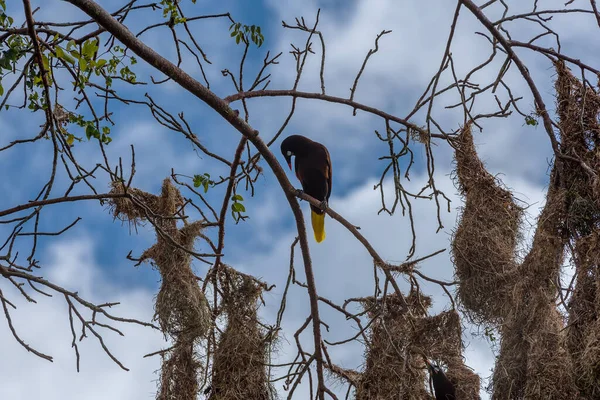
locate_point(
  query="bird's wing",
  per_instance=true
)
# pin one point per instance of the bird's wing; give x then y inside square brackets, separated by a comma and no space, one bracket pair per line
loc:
[328,172]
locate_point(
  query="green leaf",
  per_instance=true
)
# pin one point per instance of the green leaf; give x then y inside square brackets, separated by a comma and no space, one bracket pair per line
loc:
[5,63]
[1,90]
[237,197]
[529,120]
[70,139]
[89,48]
[238,207]
[198,180]
[59,52]
[100,63]
[45,62]
[91,131]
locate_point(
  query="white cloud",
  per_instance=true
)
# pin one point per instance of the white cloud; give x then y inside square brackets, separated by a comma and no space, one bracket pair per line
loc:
[45,326]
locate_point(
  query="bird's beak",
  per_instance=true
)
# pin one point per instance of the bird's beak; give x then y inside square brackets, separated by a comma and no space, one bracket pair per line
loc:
[427,362]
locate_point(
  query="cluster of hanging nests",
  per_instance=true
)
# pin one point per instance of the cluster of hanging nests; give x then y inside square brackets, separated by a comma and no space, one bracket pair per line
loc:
[542,356]
[182,311]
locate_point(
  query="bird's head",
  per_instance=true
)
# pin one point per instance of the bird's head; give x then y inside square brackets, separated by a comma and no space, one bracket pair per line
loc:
[292,146]
[433,369]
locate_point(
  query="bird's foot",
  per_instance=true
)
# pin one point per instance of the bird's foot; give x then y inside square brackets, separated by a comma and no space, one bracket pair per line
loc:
[323,206]
[299,192]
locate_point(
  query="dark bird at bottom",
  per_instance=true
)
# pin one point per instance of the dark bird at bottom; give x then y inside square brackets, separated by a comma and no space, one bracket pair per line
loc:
[313,170]
[443,388]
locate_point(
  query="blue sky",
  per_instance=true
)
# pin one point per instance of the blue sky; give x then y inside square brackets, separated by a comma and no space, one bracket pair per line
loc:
[91,257]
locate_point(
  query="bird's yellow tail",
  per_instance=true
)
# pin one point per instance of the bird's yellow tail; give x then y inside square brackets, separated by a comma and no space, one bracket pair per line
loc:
[318,224]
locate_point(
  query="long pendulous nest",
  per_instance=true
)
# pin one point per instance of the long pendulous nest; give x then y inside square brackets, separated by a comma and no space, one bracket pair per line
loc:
[484,243]
[399,339]
[518,299]
[540,357]
[578,107]
[241,357]
[181,308]
[533,361]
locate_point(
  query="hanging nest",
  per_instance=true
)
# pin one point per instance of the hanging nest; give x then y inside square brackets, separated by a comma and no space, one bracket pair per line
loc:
[392,370]
[399,339]
[584,311]
[533,361]
[465,380]
[440,338]
[239,366]
[133,209]
[578,107]
[484,243]
[181,308]
[179,373]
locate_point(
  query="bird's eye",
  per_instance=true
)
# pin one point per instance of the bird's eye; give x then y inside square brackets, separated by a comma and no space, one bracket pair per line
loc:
[289,153]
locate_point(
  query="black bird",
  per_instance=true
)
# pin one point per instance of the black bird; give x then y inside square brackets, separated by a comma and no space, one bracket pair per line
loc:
[444,389]
[313,170]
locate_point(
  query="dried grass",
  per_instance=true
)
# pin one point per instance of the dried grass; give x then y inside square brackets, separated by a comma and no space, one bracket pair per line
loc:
[392,370]
[520,299]
[484,243]
[533,361]
[538,357]
[181,308]
[440,338]
[239,368]
[394,366]
[578,107]
[584,312]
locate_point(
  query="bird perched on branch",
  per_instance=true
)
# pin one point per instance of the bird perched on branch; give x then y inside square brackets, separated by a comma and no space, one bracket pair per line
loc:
[444,389]
[313,170]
